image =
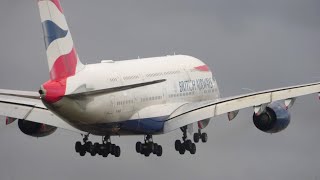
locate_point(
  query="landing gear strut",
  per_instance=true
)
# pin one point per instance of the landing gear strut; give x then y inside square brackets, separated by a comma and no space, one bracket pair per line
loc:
[103,149]
[148,147]
[186,144]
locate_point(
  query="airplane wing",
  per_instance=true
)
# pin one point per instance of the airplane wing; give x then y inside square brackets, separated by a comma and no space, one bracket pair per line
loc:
[194,112]
[28,106]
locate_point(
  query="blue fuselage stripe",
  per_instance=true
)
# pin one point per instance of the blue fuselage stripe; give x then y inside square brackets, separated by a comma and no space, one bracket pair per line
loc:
[146,125]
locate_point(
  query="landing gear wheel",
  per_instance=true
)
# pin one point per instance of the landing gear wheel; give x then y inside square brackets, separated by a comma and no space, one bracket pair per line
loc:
[112,149]
[88,146]
[104,150]
[105,154]
[148,147]
[139,147]
[96,148]
[82,152]
[177,145]
[159,151]
[193,148]
[196,137]
[78,146]
[182,150]
[155,148]
[188,144]
[92,149]
[146,152]
[93,153]
[204,137]
[117,151]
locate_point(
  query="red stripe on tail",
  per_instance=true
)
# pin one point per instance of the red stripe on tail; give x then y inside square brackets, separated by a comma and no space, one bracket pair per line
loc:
[64,66]
[55,2]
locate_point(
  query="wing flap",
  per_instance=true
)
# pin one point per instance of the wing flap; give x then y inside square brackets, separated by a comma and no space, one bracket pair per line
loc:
[25,94]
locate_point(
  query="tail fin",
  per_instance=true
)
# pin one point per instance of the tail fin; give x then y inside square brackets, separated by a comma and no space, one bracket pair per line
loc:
[62,57]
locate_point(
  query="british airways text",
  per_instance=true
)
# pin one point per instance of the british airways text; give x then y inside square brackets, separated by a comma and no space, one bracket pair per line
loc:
[195,85]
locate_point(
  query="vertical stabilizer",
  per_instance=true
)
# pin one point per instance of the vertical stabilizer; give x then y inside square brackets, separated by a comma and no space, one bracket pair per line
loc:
[62,57]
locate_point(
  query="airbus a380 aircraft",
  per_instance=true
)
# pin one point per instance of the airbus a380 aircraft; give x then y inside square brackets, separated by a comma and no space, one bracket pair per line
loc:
[147,97]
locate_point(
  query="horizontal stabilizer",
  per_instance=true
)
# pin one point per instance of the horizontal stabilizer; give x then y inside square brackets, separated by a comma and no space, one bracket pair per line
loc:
[22,94]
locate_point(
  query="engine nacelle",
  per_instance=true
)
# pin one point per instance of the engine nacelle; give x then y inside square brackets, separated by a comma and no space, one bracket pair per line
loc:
[274,119]
[35,129]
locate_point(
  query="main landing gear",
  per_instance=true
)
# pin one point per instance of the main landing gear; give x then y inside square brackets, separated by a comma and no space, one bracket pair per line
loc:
[186,145]
[103,149]
[148,147]
[197,136]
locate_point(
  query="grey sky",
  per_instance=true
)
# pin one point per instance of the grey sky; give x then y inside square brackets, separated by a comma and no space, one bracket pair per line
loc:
[248,43]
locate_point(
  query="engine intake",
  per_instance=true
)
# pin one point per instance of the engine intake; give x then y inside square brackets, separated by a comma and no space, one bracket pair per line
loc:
[35,129]
[274,119]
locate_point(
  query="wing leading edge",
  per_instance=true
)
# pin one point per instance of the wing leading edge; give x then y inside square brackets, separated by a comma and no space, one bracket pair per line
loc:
[194,112]
[28,106]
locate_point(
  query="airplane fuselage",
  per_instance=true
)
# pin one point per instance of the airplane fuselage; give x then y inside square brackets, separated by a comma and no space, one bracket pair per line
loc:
[141,110]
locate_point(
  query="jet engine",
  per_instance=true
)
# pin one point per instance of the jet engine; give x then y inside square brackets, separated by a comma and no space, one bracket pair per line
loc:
[274,119]
[35,129]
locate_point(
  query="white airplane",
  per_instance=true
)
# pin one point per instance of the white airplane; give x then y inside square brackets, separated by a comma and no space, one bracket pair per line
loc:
[147,97]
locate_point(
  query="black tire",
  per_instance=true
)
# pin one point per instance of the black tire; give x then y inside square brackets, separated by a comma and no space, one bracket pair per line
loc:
[147,153]
[82,152]
[104,150]
[112,149]
[143,151]
[196,137]
[159,151]
[97,148]
[93,153]
[182,150]
[188,144]
[150,146]
[78,146]
[105,154]
[193,149]
[177,145]
[139,147]
[204,137]
[117,152]
[88,146]
[155,148]
[91,149]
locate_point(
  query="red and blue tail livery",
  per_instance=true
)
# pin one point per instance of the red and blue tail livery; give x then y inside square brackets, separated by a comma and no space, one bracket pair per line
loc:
[62,56]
